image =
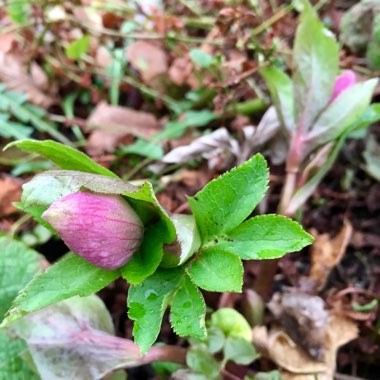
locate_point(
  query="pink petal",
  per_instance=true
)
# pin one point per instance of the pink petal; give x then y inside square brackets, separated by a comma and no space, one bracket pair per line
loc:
[342,83]
[101,228]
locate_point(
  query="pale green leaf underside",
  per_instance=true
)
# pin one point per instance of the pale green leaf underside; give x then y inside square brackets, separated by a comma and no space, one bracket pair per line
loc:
[281,91]
[217,271]
[264,237]
[239,350]
[316,61]
[187,235]
[341,113]
[226,201]
[232,323]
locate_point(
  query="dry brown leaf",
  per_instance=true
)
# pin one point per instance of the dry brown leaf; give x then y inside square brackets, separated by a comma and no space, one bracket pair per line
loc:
[6,42]
[103,57]
[326,253]
[297,365]
[148,58]
[16,77]
[10,191]
[304,317]
[180,70]
[111,124]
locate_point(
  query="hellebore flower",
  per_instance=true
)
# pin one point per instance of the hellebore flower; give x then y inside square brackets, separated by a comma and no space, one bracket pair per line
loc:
[103,229]
[342,83]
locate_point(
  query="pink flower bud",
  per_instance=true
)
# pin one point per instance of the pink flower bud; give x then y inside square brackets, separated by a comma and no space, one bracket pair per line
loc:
[342,83]
[101,228]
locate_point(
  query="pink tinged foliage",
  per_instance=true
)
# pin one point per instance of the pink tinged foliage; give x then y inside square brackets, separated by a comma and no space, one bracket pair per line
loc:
[101,228]
[342,83]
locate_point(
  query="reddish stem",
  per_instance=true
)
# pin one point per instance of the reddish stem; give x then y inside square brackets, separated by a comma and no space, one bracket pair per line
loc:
[268,268]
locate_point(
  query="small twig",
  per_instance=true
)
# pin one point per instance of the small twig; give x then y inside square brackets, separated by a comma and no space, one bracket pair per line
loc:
[68,121]
[272,20]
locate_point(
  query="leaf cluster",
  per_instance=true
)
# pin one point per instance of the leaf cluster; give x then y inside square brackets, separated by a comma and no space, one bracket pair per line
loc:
[212,242]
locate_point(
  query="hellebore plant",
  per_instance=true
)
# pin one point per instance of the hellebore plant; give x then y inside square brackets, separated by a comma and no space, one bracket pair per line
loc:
[317,109]
[115,229]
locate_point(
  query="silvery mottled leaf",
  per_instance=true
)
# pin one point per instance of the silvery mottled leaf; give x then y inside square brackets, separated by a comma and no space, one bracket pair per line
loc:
[74,339]
[255,137]
[206,146]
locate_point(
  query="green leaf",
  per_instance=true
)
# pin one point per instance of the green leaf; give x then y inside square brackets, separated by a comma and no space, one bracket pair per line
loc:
[147,303]
[281,90]
[11,129]
[78,47]
[12,365]
[146,260]
[201,58]
[373,55]
[239,351]
[145,193]
[316,62]
[187,235]
[18,265]
[217,271]
[69,277]
[176,128]
[370,116]
[372,157]
[265,237]
[341,114]
[62,155]
[232,323]
[143,148]
[202,362]
[188,310]
[31,167]
[19,10]
[215,339]
[271,375]
[226,201]
[15,103]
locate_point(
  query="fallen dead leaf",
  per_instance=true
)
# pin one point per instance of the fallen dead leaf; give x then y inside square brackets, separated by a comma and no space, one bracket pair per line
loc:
[10,191]
[109,125]
[180,71]
[327,252]
[304,317]
[6,42]
[342,303]
[16,77]
[297,365]
[148,58]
